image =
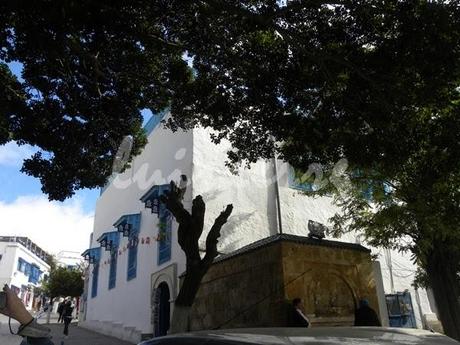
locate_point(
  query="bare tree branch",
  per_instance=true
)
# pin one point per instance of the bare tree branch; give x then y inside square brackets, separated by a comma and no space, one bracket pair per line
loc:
[214,234]
[198,212]
[174,205]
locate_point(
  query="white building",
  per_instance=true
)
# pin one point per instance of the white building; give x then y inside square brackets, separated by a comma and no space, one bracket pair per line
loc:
[142,265]
[68,259]
[22,266]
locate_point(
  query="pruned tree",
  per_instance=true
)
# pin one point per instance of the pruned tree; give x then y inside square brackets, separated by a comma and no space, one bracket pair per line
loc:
[191,226]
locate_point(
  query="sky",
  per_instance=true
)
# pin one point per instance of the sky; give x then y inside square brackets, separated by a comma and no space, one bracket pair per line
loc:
[26,211]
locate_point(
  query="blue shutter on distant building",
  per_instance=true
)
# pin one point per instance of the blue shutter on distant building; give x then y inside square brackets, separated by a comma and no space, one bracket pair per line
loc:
[34,275]
[20,267]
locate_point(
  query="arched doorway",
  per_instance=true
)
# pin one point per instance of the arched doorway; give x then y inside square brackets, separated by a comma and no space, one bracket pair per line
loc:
[163,297]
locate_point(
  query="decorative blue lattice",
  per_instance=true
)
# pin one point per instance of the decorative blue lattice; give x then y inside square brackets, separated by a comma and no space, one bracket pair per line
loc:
[93,255]
[130,225]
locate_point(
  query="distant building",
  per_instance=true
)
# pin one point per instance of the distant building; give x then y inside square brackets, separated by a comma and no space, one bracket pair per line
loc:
[68,259]
[23,266]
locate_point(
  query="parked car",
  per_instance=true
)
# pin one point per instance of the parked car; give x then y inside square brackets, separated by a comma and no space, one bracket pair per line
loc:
[311,336]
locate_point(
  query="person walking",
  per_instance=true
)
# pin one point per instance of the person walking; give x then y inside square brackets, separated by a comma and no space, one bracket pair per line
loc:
[296,316]
[67,315]
[60,311]
[365,315]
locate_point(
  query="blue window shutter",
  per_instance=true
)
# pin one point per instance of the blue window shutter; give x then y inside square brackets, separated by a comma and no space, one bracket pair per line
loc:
[165,227]
[132,257]
[95,278]
[164,245]
[113,269]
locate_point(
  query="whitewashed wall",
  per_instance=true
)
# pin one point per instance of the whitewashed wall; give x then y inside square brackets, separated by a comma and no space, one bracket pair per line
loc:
[252,193]
[8,264]
[166,157]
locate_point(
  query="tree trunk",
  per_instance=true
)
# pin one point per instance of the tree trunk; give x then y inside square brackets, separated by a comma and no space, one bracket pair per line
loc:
[190,286]
[184,301]
[442,277]
[180,319]
[189,232]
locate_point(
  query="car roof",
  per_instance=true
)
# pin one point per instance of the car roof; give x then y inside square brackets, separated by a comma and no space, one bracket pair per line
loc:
[310,336]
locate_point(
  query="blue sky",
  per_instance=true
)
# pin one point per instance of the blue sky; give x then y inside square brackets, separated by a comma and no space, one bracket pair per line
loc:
[53,225]
[16,184]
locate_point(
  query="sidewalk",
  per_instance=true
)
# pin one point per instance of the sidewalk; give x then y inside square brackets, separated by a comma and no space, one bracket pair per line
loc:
[81,336]
[77,335]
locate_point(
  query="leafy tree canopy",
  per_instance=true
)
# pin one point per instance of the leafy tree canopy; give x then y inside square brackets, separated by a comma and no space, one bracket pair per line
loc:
[64,282]
[322,79]
[88,70]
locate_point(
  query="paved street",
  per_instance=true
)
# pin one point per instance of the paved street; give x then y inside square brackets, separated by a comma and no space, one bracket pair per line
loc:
[77,335]
[80,336]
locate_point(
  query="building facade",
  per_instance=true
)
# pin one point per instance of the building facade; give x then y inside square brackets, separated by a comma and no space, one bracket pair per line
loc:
[23,266]
[134,257]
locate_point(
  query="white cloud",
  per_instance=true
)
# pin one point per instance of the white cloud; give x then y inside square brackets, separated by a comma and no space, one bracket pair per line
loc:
[12,154]
[52,226]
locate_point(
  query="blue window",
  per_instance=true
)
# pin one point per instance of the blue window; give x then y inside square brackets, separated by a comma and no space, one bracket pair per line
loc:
[164,243]
[300,180]
[93,255]
[151,200]
[95,279]
[110,241]
[35,273]
[164,230]
[113,269]
[129,225]
[132,256]
[21,265]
